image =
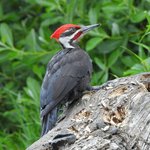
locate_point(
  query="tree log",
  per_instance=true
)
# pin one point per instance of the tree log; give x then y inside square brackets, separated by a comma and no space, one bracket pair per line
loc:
[116,117]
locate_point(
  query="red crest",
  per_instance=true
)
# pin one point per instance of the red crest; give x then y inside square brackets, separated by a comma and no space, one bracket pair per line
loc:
[61,29]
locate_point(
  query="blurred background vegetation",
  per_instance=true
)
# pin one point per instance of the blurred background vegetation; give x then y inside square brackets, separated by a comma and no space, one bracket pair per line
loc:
[119,48]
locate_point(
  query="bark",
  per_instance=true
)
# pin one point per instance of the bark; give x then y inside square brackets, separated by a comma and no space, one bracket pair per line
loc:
[116,117]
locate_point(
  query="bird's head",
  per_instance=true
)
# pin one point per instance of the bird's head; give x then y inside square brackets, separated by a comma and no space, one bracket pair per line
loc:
[70,33]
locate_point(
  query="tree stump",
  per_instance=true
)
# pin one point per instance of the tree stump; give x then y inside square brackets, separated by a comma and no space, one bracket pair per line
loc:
[116,117]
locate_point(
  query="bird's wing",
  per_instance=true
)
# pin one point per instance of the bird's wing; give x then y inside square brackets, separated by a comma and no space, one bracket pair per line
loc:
[56,86]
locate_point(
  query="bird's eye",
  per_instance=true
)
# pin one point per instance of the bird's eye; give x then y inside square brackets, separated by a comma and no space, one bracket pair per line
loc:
[73,29]
[69,32]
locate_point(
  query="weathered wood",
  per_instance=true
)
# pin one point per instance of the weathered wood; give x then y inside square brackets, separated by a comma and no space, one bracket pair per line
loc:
[117,117]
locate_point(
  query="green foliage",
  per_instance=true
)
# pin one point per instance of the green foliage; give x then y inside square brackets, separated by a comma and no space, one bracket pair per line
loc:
[118,48]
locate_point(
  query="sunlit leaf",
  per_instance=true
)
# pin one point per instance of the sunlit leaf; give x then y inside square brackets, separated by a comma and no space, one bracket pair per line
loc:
[93,16]
[115,29]
[32,88]
[6,34]
[100,63]
[92,43]
[109,45]
[113,57]
[137,15]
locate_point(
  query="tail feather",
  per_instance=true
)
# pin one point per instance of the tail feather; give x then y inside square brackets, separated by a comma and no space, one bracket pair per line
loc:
[48,121]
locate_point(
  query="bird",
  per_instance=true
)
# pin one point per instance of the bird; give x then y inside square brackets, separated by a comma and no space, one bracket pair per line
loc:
[68,73]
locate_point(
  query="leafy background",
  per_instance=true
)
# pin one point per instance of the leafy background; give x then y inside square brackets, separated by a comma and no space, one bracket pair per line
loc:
[119,48]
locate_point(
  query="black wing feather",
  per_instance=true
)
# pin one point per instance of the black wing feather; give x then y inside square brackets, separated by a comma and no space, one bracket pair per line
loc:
[62,77]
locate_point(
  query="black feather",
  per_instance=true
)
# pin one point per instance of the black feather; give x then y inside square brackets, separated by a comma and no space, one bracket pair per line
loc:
[68,70]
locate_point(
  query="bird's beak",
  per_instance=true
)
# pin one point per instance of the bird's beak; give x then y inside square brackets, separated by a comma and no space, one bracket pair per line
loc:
[85,29]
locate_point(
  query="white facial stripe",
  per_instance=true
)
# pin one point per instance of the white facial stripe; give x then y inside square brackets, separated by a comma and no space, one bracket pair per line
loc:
[65,41]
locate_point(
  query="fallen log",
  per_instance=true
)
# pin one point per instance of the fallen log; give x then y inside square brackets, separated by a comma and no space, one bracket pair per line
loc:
[116,117]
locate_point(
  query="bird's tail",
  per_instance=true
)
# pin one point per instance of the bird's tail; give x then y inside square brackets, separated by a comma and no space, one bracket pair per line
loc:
[48,121]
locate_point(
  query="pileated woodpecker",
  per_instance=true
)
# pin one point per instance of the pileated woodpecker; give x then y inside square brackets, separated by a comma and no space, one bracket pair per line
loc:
[68,73]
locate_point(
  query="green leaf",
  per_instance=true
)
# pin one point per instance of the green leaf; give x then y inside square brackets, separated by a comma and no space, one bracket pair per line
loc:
[31,41]
[146,62]
[104,77]
[1,11]
[109,45]
[92,43]
[133,54]
[38,71]
[137,15]
[33,88]
[93,16]
[96,77]
[113,57]
[71,6]
[142,45]
[115,29]
[50,21]
[129,61]
[4,57]
[148,16]
[137,68]
[6,34]
[100,63]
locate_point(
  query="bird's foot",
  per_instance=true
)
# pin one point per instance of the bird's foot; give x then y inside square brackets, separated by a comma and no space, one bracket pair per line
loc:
[61,117]
[92,89]
[62,112]
[95,88]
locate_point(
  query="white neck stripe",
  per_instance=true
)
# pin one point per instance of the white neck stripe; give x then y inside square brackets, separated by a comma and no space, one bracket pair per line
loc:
[66,41]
